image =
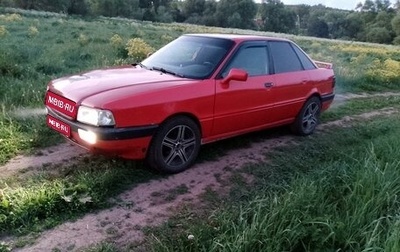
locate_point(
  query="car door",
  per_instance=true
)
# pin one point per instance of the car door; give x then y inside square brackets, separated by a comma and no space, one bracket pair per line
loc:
[292,83]
[241,106]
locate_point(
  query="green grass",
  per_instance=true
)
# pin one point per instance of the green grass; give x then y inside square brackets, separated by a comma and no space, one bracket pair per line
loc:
[59,193]
[23,134]
[333,191]
[66,45]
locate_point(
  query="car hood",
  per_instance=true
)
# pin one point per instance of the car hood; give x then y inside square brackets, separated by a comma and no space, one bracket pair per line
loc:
[79,87]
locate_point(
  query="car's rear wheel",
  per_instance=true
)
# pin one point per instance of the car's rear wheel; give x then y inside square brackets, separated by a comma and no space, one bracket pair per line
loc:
[175,145]
[308,117]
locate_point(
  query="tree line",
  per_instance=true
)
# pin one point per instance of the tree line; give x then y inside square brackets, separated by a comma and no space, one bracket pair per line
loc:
[372,21]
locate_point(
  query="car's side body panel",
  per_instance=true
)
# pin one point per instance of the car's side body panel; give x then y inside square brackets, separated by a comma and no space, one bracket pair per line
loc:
[242,105]
[289,95]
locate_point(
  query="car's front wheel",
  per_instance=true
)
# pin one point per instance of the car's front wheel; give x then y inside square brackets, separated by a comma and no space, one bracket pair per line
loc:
[175,145]
[308,117]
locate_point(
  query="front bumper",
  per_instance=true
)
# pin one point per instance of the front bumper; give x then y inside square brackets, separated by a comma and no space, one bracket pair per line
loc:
[128,142]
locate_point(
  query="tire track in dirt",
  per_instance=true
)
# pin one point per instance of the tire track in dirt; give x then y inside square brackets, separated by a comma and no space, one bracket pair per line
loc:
[58,154]
[340,99]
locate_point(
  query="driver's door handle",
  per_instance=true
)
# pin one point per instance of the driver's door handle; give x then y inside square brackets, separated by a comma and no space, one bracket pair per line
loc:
[268,84]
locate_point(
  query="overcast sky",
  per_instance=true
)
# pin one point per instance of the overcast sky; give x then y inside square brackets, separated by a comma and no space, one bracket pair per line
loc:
[340,4]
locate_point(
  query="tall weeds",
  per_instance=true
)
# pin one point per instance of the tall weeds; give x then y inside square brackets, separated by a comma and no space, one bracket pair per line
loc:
[329,193]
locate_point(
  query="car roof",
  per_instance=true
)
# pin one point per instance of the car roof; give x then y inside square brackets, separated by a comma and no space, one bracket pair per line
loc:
[236,37]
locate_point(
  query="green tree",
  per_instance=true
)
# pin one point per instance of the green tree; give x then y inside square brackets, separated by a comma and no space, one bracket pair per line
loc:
[235,20]
[145,4]
[396,24]
[79,7]
[383,19]
[276,17]
[164,15]
[113,8]
[334,20]
[318,28]
[352,26]
[382,5]
[209,17]
[153,5]
[374,6]
[190,7]
[7,3]
[45,5]
[148,14]
[302,15]
[375,17]
[160,3]
[236,13]
[379,35]
[175,10]
[25,4]
[396,28]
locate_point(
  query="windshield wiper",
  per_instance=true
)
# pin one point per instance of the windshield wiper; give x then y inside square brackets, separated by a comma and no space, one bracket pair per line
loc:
[140,64]
[163,70]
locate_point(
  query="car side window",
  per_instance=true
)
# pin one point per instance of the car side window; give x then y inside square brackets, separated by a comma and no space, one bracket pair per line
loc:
[307,63]
[252,59]
[284,57]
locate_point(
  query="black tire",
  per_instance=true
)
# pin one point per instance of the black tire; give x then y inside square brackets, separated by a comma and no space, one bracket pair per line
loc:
[175,146]
[308,117]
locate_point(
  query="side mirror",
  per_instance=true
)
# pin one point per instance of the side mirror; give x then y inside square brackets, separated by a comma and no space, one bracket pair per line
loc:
[235,74]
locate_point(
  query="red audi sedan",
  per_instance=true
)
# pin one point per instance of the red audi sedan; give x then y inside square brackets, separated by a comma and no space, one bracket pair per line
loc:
[198,89]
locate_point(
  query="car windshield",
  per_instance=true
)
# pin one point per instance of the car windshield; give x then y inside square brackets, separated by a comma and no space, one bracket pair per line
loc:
[189,56]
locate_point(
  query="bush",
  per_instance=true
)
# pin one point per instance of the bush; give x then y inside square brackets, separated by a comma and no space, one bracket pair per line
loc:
[3,31]
[11,17]
[116,41]
[138,49]
[83,39]
[385,72]
[33,31]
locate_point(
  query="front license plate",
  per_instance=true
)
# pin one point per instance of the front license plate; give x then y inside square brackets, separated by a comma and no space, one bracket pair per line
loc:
[61,104]
[59,126]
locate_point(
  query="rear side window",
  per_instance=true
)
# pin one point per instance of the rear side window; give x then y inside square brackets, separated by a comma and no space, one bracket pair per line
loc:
[284,57]
[307,63]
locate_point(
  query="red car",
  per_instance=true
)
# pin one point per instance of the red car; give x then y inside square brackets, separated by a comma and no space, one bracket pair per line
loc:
[198,89]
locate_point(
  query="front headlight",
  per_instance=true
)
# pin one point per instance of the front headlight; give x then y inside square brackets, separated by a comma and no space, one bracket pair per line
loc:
[97,117]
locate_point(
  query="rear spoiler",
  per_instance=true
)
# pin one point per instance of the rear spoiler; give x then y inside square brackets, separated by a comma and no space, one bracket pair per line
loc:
[321,64]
